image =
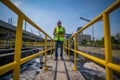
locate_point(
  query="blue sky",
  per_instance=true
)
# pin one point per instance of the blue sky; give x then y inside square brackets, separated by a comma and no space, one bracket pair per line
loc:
[45,14]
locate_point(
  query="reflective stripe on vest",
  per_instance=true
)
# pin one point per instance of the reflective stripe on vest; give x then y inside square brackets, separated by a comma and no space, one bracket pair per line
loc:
[60,35]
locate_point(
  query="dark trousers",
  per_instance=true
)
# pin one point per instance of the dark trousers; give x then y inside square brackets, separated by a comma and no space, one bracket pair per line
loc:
[57,45]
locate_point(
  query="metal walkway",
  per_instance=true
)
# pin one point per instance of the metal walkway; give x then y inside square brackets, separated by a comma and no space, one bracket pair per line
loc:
[59,70]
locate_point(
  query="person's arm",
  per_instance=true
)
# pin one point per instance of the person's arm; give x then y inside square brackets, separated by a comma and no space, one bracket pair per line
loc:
[64,32]
[54,31]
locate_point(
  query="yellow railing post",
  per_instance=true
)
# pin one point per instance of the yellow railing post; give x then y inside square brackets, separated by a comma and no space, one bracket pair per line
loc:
[29,44]
[75,44]
[18,45]
[53,43]
[4,44]
[63,46]
[66,45]
[45,54]
[51,50]
[10,44]
[68,49]
[108,49]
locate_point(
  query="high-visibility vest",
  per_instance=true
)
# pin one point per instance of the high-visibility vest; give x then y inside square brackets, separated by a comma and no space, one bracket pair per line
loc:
[60,34]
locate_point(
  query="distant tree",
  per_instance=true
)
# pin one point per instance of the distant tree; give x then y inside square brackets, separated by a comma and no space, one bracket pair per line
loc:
[113,40]
[98,43]
[89,43]
[117,36]
[102,40]
[84,42]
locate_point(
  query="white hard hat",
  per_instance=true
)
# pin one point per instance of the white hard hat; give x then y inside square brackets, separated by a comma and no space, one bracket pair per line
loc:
[59,21]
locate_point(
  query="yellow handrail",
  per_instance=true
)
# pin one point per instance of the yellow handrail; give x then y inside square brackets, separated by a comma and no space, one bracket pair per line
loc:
[18,43]
[8,44]
[5,44]
[7,67]
[108,50]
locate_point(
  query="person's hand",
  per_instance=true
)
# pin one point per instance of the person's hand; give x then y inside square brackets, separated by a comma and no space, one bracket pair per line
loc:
[55,33]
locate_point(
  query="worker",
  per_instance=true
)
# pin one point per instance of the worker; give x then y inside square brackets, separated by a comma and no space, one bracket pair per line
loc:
[59,34]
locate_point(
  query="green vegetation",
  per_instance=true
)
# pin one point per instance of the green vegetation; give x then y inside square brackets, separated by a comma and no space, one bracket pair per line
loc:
[100,43]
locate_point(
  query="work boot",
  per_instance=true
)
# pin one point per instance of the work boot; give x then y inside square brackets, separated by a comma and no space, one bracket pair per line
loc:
[55,59]
[61,58]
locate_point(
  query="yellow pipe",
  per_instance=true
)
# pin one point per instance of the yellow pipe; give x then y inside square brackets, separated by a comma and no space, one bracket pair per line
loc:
[18,45]
[95,59]
[23,60]
[45,56]
[10,44]
[63,46]
[114,67]
[10,5]
[66,49]
[66,45]
[7,67]
[108,49]
[69,50]
[53,45]
[75,44]
[111,8]
[51,50]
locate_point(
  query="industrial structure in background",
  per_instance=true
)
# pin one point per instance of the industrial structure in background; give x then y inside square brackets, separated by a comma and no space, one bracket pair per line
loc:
[8,32]
[81,36]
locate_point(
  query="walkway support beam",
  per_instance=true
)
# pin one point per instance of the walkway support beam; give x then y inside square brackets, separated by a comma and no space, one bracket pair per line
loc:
[108,48]
[51,52]
[75,46]
[18,46]
[45,54]
[69,50]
